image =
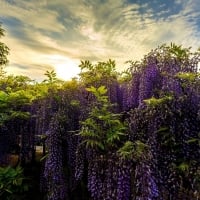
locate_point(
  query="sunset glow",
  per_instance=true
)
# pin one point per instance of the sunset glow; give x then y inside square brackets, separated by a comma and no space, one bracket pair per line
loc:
[67,70]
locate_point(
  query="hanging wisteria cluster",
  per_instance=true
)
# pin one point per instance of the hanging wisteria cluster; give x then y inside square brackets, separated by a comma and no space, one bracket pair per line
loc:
[166,119]
[54,178]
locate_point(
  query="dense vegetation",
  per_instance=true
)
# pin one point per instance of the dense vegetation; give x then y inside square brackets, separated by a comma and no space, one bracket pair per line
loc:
[107,135]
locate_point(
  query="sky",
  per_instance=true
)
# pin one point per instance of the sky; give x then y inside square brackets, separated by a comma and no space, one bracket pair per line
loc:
[57,34]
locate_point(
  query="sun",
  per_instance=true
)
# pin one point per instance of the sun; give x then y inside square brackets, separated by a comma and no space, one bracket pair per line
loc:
[65,68]
[66,71]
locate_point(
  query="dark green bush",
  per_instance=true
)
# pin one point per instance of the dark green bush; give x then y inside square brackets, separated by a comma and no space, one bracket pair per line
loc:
[12,183]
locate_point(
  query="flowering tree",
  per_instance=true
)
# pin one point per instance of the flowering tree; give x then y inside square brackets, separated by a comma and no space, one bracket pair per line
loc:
[164,116]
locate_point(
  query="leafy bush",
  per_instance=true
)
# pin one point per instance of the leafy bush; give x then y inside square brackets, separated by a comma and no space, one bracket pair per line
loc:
[12,183]
[102,129]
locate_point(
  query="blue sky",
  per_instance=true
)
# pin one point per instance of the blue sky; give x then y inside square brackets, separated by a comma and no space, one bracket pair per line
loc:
[57,34]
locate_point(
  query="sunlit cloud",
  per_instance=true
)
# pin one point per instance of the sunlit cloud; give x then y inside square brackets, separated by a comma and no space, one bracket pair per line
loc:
[53,34]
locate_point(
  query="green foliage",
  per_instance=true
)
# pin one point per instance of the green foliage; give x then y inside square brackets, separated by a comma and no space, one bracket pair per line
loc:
[102,72]
[191,77]
[52,84]
[13,83]
[179,52]
[133,150]
[20,97]
[102,129]
[99,93]
[11,105]
[125,76]
[127,150]
[183,167]
[157,101]
[22,88]
[18,92]
[74,103]
[19,115]
[193,140]
[38,90]
[12,183]
[134,66]
[51,75]
[3,99]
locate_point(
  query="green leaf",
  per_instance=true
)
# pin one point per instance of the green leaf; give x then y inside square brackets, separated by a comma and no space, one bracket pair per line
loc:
[162,129]
[191,77]
[126,151]
[9,191]
[75,103]
[102,90]
[19,115]
[157,101]
[44,157]
[183,167]
[193,140]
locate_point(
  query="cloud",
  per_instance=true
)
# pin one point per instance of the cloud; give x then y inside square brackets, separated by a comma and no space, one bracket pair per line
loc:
[33,15]
[94,29]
